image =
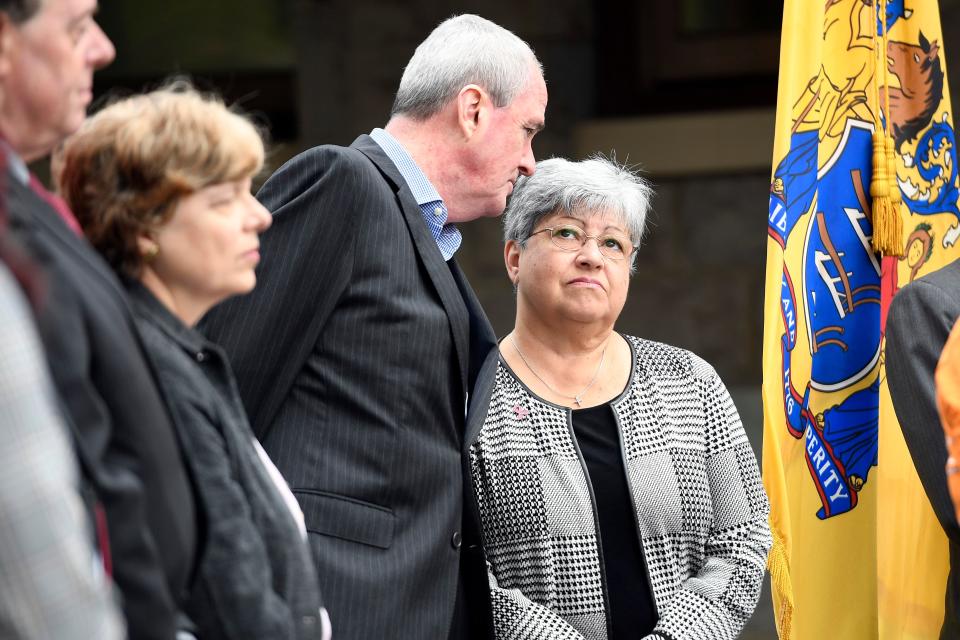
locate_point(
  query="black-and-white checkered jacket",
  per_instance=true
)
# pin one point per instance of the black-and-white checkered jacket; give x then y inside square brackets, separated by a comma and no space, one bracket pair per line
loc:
[700,507]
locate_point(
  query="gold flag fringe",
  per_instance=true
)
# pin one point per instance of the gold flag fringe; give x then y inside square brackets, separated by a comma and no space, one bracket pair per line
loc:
[884,188]
[779,567]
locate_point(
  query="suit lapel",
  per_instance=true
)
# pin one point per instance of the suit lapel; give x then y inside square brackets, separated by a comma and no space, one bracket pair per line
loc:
[482,337]
[30,211]
[427,250]
[480,397]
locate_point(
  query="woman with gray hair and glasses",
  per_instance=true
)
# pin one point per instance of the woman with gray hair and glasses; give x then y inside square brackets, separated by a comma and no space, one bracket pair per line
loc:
[617,492]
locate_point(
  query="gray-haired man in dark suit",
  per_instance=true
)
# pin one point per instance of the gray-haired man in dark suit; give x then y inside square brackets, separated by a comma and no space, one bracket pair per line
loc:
[357,350]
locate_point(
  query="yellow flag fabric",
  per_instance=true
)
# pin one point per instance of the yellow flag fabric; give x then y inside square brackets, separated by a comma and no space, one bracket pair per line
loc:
[857,550]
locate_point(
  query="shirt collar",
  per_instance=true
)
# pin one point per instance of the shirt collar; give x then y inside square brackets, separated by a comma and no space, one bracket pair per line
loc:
[15,164]
[432,207]
[149,307]
[421,188]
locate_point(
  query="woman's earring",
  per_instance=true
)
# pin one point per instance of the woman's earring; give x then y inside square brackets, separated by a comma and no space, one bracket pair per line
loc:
[151,252]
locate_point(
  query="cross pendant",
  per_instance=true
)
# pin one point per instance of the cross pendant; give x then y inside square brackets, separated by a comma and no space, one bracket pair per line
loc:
[577,400]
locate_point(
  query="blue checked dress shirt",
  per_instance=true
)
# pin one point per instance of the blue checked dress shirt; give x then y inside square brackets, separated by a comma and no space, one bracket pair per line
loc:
[431,205]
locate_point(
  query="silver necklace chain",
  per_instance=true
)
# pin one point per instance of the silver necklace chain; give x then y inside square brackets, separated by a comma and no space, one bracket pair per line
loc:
[577,398]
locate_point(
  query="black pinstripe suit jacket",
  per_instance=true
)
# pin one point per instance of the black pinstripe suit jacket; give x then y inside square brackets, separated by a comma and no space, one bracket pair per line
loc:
[921,316]
[353,357]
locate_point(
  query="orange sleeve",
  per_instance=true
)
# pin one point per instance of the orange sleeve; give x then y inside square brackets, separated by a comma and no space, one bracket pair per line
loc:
[948,404]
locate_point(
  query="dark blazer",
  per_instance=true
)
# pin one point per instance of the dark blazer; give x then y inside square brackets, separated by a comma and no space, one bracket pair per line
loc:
[921,316]
[255,577]
[353,356]
[128,452]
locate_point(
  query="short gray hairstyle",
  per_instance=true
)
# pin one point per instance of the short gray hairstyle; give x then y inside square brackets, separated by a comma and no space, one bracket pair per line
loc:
[462,50]
[591,186]
[20,10]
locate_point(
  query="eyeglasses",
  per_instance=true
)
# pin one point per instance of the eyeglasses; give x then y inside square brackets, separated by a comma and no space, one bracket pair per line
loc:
[570,237]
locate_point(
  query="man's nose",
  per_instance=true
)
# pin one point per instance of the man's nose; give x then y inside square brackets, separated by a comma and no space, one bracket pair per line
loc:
[528,163]
[101,51]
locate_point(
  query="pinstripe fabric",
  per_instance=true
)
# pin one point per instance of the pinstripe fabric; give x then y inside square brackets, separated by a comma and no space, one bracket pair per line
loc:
[352,360]
[700,507]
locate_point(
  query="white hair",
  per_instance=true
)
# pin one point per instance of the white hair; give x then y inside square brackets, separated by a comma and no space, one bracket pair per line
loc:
[596,185]
[462,50]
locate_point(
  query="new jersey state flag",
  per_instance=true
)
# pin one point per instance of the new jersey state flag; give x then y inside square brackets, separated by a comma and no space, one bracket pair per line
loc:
[857,550]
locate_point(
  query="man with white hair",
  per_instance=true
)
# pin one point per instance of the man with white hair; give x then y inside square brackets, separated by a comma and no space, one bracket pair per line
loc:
[356,352]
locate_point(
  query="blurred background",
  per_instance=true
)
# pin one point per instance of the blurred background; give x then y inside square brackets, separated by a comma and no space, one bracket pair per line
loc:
[685,89]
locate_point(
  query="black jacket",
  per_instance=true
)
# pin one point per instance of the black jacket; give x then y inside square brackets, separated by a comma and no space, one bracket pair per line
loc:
[255,578]
[353,356]
[127,448]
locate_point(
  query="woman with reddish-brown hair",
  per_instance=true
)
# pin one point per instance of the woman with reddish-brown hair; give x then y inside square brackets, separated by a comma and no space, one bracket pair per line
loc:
[160,183]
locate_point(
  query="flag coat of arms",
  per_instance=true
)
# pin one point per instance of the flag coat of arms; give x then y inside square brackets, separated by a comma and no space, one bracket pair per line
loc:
[857,550]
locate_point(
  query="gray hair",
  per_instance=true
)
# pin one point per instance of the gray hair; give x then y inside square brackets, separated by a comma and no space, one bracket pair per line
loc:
[20,10]
[463,50]
[560,186]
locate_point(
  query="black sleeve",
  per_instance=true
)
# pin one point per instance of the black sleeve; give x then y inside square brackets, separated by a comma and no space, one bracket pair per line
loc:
[111,461]
[919,322]
[316,199]
[235,577]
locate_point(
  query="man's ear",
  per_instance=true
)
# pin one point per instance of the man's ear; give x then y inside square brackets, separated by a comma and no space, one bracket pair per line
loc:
[511,259]
[7,43]
[470,103]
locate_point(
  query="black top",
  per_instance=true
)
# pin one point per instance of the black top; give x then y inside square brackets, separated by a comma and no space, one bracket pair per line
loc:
[630,602]
[255,577]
